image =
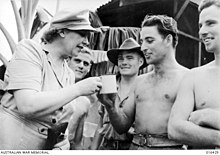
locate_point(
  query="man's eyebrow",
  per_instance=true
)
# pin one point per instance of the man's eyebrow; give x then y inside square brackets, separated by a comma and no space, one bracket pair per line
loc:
[211,20]
[129,56]
[77,59]
[147,37]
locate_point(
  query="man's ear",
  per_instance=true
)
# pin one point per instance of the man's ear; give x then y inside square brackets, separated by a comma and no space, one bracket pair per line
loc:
[141,62]
[169,39]
[62,33]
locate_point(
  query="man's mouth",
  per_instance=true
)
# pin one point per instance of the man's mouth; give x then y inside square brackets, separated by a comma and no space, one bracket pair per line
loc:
[207,39]
[147,56]
[125,67]
[78,71]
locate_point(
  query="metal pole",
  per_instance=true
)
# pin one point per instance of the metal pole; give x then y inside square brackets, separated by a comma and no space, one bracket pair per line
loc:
[200,54]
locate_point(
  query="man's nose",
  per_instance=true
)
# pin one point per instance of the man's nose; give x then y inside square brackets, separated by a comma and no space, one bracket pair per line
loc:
[144,47]
[124,61]
[202,31]
[144,50]
[80,65]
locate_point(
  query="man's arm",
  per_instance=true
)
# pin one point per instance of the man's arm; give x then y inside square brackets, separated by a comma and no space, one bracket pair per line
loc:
[121,118]
[206,117]
[99,130]
[182,130]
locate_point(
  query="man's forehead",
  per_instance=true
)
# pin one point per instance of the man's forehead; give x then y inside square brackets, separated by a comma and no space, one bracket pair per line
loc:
[209,13]
[131,52]
[84,57]
[148,31]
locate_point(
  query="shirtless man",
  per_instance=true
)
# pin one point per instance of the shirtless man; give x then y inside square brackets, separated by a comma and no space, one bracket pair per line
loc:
[151,99]
[195,117]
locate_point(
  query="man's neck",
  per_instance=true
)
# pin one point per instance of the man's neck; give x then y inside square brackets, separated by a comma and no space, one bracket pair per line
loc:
[128,80]
[125,85]
[217,59]
[165,65]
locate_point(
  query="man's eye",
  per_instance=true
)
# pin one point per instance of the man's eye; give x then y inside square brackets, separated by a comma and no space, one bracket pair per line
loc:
[150,41]
[210,23]
[86,64]
[120,59]
[77,61]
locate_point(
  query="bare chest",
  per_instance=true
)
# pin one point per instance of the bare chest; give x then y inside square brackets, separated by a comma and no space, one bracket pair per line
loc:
[207,91]
[162,91]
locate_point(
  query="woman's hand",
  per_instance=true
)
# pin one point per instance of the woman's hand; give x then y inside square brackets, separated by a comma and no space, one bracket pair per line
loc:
[89,86]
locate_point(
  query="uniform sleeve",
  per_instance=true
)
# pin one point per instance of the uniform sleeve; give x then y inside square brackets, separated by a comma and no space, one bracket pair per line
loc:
[25,69]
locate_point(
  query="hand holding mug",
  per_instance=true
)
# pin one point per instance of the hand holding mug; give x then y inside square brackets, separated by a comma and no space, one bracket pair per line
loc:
[108,91]
[89,86]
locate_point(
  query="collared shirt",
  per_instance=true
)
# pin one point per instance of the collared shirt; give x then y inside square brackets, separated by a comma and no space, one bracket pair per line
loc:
[32,68]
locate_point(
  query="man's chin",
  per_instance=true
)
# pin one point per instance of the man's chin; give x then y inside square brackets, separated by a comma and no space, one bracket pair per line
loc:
[209,50]
[125,73]
[78,77]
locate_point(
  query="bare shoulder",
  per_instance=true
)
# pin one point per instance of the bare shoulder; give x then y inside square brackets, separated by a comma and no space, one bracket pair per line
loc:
[182,70]
[198,71]
[204,67]
[195,73]
[141,78]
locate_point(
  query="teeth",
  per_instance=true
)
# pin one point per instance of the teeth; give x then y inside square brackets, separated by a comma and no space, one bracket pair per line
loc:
[207,39]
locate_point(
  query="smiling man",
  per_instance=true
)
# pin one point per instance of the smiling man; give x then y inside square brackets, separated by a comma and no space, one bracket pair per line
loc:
[195,118]
[152,97]
[129,59]
[81,64]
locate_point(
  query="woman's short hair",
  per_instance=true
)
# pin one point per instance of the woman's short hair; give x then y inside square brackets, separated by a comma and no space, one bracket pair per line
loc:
[52,34]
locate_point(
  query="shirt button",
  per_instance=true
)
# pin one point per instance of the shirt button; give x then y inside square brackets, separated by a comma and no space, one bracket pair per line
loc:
[61,108]
[54,120]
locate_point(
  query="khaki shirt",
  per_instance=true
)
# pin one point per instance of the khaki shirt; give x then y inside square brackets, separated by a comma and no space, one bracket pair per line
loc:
[30,68]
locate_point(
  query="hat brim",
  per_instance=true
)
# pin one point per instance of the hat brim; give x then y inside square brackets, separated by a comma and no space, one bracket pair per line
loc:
[113,55]
[85,27]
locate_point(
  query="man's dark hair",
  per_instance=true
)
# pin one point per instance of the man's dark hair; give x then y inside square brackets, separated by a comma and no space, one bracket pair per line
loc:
[165,25]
